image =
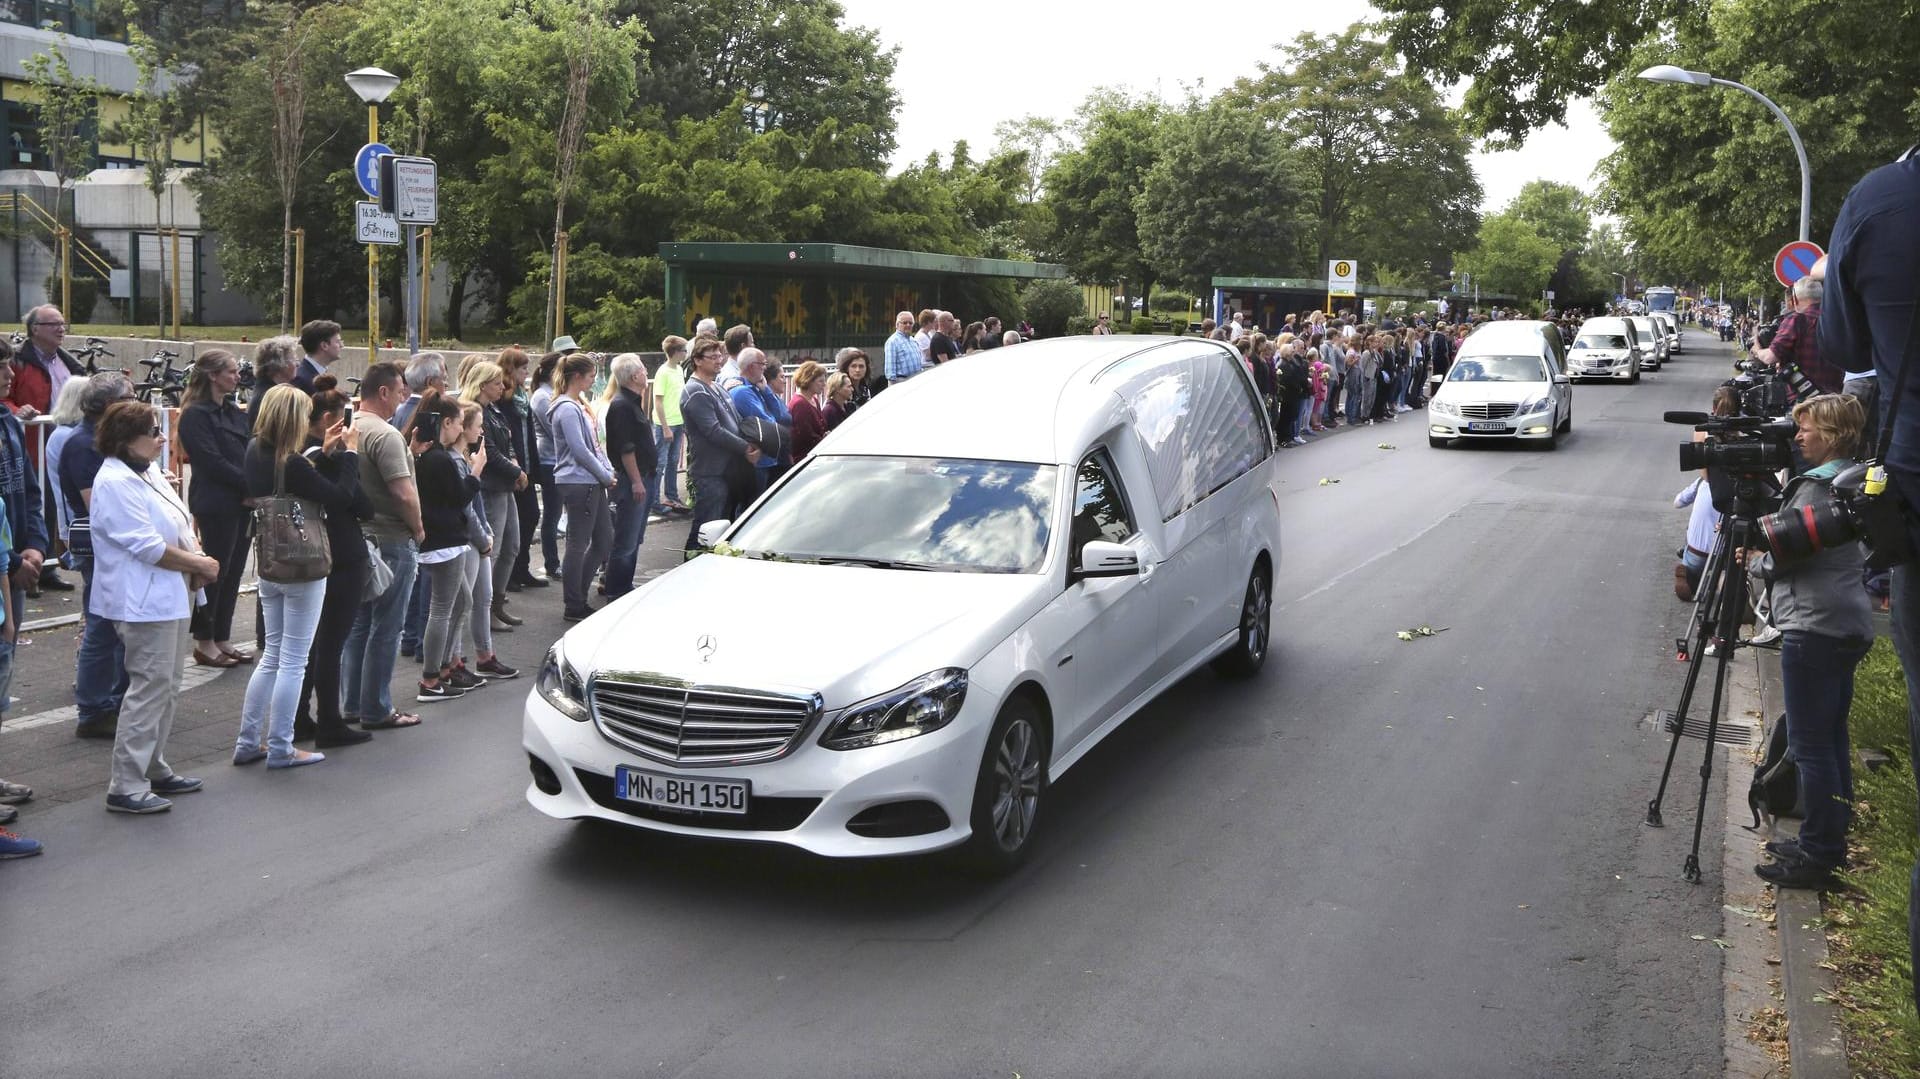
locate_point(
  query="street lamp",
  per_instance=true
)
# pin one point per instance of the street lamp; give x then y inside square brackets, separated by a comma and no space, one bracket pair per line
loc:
[1670,73]
[373,85]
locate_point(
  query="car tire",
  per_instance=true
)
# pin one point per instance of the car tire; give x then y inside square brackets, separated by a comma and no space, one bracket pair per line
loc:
[1009,790]
[1249,651]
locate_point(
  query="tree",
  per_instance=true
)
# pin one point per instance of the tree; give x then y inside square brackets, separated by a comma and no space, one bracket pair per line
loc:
[1558,212]
[239,189]
[1385,158]
[1525,59]
[1091,191]
[1705,182]
[68,109]
[1511,257]
[1221,198]
[788,65]
[152,122]
[1049,304]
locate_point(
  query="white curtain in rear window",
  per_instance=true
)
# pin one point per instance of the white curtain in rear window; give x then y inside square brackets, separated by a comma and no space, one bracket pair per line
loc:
[1197,418]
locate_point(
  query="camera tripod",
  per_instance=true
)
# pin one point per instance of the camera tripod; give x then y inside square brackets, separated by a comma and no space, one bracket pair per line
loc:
[1718,611]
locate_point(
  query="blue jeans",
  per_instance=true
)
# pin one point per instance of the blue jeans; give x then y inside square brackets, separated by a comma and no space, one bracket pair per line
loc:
[1816,676]
[366,664]
[629,532]
[291,613]
[100,670]
[1304,422]
[666,485]
[415,627]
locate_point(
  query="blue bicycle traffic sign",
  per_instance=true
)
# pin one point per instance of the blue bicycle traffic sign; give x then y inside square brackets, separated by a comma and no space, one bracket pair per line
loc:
[366,167]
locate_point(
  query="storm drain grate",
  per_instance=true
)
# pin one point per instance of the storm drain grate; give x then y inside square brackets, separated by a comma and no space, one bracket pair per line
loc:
[1728,732]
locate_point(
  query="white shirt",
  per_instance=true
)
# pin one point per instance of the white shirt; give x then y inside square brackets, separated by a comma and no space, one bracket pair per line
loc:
[136,517]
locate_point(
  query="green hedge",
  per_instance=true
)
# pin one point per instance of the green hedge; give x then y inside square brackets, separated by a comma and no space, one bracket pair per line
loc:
[1868,927]
[1142,324]
[1079,324]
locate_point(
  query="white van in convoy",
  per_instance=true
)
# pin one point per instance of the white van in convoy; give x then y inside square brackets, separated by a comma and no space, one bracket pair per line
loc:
[1508,382]
[961,591]
[1606,347]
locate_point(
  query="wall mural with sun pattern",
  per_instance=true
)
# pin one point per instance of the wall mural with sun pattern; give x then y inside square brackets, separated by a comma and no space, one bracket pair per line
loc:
[804,312]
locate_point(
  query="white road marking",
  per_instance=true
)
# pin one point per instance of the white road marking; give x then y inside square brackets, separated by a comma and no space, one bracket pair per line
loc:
[193,677]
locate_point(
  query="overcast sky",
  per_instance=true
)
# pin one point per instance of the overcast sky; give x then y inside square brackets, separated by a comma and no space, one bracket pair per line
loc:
[965,68]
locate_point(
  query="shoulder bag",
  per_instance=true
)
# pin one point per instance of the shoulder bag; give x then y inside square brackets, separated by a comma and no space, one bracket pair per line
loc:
[290,544]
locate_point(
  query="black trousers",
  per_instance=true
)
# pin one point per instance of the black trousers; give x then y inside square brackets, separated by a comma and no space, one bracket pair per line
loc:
[225,537]
[346,590]
[528,504]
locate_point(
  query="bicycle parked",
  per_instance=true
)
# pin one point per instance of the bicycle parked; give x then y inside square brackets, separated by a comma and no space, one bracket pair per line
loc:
[165,383]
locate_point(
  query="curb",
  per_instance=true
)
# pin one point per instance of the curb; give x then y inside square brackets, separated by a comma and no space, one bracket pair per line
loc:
[1815,1045]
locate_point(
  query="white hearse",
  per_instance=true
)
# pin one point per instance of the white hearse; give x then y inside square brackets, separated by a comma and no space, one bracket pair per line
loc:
[964,588]
[1507,383]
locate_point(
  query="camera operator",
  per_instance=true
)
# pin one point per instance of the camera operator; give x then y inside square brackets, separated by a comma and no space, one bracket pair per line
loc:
[1703,520]
[1794,342]
[1873,270]
[1826,627]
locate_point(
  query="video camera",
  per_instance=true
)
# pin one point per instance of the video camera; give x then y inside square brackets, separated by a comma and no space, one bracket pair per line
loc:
[1763,389]
[1741,455]
[1741,446]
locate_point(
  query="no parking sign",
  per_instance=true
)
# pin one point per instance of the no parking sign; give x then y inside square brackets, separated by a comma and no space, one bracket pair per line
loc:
[1795,261]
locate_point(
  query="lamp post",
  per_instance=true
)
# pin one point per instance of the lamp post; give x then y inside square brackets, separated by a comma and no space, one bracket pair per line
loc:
[373,85]
[1623,285]
[1680,75]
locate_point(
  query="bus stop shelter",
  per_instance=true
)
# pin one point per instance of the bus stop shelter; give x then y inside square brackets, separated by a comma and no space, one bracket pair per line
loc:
[818,297]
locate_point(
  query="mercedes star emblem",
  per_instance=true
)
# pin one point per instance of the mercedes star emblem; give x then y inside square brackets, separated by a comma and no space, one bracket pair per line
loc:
[706,646]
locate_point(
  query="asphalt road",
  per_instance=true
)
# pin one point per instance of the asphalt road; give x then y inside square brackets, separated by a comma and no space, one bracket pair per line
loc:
[1380,859]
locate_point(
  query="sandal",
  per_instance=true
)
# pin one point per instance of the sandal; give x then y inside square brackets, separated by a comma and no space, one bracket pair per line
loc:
[239,655]
[220,659]
[393,721]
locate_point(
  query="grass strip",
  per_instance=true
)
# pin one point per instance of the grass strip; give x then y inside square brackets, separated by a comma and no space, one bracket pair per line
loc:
[1867,926]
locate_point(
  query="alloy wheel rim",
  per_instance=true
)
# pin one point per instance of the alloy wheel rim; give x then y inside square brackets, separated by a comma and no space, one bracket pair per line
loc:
[1016,798]
[1254,623]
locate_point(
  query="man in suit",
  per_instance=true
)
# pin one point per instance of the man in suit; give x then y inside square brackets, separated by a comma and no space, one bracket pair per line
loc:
[321,341]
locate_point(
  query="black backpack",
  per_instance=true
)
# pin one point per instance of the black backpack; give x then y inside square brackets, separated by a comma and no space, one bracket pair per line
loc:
[1776,779]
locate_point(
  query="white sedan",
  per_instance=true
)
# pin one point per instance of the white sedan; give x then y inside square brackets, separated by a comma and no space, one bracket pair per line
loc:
[1500,398]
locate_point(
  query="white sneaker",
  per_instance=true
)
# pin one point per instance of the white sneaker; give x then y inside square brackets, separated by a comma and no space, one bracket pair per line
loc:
[1765,636]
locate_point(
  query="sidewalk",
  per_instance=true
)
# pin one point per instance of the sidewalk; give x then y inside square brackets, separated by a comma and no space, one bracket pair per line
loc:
[38,747]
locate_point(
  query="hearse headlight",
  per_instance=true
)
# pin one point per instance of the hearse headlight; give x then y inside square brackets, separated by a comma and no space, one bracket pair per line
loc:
[1540,405]
[922,706]
[1444,406]
[561,686]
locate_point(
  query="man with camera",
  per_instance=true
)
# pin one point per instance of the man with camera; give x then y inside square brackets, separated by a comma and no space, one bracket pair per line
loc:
[1873,271]
[1793,342]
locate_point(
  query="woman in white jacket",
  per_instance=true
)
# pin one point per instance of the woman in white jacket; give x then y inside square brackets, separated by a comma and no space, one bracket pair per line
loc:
[147,569]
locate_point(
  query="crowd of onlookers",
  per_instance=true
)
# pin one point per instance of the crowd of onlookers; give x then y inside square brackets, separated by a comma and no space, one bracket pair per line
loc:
[435,485]
[1318,371]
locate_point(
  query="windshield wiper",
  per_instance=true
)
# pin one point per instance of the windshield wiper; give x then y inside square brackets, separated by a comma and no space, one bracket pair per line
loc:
[873,563]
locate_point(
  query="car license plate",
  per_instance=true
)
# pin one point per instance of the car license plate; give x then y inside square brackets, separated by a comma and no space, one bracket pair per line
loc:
[678,792]
[1485,425]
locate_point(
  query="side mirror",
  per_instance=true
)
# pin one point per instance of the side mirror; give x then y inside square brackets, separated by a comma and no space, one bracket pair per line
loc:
[1561,380]
[711,532]
[1099,558]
